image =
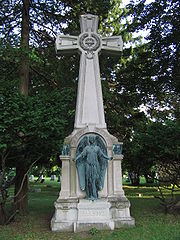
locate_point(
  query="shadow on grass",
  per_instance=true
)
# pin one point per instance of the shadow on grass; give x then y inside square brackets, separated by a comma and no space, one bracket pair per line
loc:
[151,222]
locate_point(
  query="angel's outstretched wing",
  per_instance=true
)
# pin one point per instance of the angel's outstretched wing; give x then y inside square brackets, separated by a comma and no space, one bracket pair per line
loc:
[103,158]
[80,162]
[103,166]
[81,175]
[101,143]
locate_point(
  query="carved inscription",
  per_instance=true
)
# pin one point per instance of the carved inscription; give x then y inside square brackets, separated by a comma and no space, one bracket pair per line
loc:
[93,213]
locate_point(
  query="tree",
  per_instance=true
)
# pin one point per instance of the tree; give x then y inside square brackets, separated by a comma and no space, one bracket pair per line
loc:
[33,128]
[21,199]
[28,33]
[146,76]
[154,146]
[161,19]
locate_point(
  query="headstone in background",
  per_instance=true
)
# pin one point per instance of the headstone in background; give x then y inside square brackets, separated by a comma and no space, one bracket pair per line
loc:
[42,179]
[37,190]
[53,177]
[31,178]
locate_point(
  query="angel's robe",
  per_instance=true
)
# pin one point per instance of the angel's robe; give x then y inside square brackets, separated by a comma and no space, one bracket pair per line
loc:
[91,158]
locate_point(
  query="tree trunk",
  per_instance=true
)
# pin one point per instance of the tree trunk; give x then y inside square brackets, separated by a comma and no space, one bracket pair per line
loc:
[21,200]
[135,180]
[2,215]
[24,66]
[3,192]
[148,179]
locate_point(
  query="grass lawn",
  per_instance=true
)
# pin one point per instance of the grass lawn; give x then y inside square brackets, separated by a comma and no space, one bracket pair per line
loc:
[151,222]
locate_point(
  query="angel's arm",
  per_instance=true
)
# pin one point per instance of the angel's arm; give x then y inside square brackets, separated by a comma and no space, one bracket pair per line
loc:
[104,155]
[83,154]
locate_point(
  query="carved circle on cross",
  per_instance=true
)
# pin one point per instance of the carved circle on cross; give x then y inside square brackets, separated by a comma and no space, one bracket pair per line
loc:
[90,42]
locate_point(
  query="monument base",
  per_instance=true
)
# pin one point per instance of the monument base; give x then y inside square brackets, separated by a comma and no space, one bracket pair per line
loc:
[75,215]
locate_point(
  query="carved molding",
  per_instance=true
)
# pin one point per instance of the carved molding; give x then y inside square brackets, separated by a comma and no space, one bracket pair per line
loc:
[76,135]
[89,42]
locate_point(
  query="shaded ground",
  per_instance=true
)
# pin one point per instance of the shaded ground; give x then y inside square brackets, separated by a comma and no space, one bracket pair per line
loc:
[151,222]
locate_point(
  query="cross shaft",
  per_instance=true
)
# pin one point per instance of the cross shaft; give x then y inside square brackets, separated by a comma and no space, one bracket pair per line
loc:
[89,106]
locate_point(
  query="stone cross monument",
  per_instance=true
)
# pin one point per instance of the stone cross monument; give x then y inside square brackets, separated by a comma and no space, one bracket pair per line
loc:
[91,188]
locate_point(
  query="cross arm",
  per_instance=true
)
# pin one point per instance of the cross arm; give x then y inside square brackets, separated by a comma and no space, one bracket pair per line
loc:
[66,44]
[112,45]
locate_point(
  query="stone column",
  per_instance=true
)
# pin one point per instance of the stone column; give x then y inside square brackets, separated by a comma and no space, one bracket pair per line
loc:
[110,174]
[117,175]
[65,183]
[73,174]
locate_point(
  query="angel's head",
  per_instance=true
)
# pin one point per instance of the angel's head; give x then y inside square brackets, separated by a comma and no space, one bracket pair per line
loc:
[91,139]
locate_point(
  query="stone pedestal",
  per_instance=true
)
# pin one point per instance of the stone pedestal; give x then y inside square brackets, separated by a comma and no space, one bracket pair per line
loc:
[93,214]
[120,211]
[65,215]
[74,215]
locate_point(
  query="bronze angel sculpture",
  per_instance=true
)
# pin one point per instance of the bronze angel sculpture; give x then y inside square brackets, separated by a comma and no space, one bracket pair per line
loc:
[91,162]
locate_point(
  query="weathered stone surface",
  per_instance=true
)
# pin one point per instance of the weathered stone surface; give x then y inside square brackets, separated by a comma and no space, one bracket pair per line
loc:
[93,211]
[86,226]
[89,106]
[82,215]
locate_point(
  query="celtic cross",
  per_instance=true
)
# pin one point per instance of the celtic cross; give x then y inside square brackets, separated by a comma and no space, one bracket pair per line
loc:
[89,106]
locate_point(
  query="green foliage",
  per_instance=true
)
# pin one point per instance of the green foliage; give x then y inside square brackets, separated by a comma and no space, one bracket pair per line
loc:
[147,73]
[152,144]
[35,125]
[161,19]
[56,16]
[93,231]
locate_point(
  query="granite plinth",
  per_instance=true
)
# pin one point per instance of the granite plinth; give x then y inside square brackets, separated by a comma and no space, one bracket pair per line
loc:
[83,215]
